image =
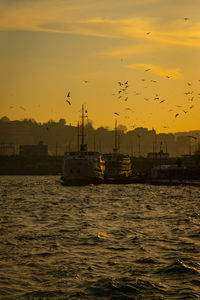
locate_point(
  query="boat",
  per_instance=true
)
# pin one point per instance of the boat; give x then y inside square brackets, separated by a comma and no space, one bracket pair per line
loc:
[82,166]
[117,165]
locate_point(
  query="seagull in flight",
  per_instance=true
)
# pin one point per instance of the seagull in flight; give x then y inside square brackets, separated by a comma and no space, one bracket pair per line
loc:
[116,114]
[186,19]
[147,70]
[148,32]
[191,99]
[176,115]
[68,101]
[162,101]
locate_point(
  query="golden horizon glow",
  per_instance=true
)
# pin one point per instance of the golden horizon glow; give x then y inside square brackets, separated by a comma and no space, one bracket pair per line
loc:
[51,47]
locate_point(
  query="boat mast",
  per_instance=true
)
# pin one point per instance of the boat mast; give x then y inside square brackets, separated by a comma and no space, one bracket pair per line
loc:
[82,126]
[116,137]
[78,133]
[83,145]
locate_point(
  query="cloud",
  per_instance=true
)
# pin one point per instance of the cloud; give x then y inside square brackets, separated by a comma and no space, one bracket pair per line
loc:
[173,73]
[132,50]
[67,18]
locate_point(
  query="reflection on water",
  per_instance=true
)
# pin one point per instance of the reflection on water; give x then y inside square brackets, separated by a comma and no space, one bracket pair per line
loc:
[107,241]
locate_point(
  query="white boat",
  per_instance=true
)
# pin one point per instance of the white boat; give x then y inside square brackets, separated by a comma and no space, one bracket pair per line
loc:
[82,166]
[117,165]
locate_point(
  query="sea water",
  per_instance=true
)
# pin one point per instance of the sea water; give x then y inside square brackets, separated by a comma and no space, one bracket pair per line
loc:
[134,241]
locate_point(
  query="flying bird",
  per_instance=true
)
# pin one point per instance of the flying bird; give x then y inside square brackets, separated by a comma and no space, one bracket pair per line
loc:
[186,19]
[176,115]
[162,101]
[85,81]
[148,32]
[116,114]
[68,95]
[68,102]
[189,83]
[168,76]
[185,111]
[147,70]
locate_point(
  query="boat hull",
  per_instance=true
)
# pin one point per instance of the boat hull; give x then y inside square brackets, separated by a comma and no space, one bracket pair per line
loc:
[80,171]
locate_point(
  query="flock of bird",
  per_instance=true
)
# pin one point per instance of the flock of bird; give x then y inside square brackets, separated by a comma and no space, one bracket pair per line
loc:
[122,93]
[183,109]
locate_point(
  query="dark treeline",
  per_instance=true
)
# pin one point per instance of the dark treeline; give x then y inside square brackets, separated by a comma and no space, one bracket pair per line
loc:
[61,137]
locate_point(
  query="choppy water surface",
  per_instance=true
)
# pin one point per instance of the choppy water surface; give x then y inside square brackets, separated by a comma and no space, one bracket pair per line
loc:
[98,242]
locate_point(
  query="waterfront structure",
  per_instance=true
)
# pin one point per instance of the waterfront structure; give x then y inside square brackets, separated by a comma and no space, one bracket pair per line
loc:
[82,166]
[160,154]
[167,172]
[33,150]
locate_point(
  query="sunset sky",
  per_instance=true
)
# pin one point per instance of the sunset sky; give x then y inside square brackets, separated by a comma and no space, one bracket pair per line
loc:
[51,47]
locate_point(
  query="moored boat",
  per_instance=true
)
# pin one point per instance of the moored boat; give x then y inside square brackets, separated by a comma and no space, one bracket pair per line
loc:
[117,165]
[82,166]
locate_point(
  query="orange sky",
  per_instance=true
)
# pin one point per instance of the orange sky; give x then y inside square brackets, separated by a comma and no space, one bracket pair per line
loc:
[48,48]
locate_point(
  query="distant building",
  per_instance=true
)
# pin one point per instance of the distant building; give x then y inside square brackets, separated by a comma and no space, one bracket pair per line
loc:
[33,150]
[8,149]
[159,155]
[167,172]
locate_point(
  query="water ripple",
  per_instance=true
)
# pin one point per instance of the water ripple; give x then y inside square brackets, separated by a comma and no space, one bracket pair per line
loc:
[98,242]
